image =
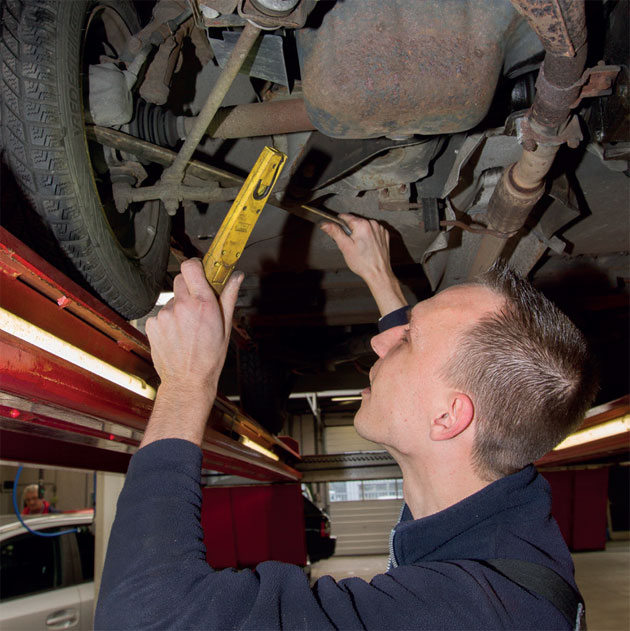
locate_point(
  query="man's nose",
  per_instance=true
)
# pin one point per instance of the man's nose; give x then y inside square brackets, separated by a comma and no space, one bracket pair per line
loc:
[382,342]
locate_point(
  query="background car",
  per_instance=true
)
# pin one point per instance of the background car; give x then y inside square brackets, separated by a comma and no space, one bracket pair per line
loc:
[319,543]
[47,582]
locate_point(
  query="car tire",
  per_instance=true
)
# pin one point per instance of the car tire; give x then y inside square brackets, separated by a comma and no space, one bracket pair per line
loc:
[122,258]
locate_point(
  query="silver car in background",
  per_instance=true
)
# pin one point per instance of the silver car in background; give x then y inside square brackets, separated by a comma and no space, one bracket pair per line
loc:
[47,582]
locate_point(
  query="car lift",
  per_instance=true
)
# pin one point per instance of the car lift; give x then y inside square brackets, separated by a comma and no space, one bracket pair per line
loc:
[61,351]
[76,390]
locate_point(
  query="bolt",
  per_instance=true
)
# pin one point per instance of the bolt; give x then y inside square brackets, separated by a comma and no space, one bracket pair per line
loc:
[171,206]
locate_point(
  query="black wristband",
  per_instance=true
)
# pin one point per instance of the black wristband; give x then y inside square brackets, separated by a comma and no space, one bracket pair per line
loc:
[394,318]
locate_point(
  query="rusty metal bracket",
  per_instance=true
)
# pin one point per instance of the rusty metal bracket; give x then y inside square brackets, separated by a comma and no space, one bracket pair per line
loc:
[571,134]
[596,81]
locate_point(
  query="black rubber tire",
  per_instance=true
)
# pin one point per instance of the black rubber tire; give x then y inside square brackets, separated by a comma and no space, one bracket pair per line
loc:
[44,145]
[264,386]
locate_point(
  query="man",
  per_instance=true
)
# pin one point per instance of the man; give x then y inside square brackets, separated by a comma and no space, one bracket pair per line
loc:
[33,503]
[480,381]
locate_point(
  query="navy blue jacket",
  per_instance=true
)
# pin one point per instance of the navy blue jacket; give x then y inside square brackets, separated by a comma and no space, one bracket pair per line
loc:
[156,575]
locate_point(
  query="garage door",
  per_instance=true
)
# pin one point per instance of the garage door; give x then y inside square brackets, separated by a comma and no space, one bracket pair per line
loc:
[344,439]
[362,526]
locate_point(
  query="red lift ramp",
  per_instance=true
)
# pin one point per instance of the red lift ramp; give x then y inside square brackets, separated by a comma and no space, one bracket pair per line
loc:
[77,382]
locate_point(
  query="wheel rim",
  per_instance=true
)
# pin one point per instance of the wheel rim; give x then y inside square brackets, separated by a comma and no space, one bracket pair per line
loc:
[135,229]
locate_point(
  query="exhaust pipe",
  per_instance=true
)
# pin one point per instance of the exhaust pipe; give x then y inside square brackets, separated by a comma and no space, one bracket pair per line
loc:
[562,31]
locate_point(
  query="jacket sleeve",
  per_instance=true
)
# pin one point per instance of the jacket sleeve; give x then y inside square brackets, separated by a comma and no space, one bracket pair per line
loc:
[398,317]
[156,574]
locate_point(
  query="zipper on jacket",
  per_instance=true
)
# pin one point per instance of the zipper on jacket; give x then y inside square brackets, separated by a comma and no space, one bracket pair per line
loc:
[392,556]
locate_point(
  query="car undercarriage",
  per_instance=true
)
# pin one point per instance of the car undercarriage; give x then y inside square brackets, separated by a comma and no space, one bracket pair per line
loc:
[473,129]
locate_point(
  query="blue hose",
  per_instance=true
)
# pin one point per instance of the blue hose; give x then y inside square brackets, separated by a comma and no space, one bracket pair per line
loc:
[19,516]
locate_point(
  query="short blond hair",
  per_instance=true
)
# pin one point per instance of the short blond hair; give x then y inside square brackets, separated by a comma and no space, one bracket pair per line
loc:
[529,372]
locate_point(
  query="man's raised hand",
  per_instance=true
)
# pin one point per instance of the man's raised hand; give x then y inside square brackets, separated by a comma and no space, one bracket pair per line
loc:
[366,253]
[189,339]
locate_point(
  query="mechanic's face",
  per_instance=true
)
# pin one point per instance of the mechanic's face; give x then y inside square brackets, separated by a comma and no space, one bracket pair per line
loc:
[406,388]
[33,502]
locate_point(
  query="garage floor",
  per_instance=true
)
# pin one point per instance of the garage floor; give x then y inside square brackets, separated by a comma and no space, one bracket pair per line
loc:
[603,577]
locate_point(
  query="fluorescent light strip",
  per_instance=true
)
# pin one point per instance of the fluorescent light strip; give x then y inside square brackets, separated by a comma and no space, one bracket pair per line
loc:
[326,393]
[23,330]
[164,297]
[340,399]
[259,448]
[605,430]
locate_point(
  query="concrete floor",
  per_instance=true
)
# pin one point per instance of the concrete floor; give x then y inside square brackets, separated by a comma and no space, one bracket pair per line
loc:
[603,578]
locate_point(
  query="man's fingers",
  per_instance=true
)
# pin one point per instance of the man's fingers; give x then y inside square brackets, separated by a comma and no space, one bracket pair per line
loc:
[148,326]
[335,232]
[228,299]
[195,278]
[180,288]
[349,218]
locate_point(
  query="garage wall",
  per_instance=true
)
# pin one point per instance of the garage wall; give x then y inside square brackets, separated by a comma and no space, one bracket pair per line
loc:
[302,428]
[363,527]
[342,439]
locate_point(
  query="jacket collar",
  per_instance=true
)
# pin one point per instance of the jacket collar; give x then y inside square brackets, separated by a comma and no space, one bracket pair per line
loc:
[465,530]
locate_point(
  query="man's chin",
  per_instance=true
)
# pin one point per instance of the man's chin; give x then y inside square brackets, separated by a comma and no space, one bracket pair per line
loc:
[359,418]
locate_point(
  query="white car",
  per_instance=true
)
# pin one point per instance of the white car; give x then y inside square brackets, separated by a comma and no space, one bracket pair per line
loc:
[47,582]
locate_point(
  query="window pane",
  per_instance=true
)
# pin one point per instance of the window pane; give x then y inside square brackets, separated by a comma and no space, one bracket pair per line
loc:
[85,539]
[379,490]
[356,490]
[29,564]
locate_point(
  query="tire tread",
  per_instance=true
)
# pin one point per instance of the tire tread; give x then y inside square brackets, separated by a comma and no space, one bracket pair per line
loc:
[36,142]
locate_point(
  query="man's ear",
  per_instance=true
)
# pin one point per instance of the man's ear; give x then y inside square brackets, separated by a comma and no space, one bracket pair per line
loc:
[460,414]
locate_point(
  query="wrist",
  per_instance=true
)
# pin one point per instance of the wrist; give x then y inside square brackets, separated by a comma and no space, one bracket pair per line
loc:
[379,278]
[387,294]
[186,392]
[179,411]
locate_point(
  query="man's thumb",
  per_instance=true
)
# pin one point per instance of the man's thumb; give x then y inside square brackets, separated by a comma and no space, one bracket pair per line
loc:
[229,296]
[332,230]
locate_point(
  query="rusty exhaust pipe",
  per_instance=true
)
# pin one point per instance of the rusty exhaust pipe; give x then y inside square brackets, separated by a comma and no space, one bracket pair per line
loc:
[561,27]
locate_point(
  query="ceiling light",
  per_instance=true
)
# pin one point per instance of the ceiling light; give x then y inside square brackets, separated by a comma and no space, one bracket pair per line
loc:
[339,399]
[27,332]
[163,298]
[248,442]
[605,430]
